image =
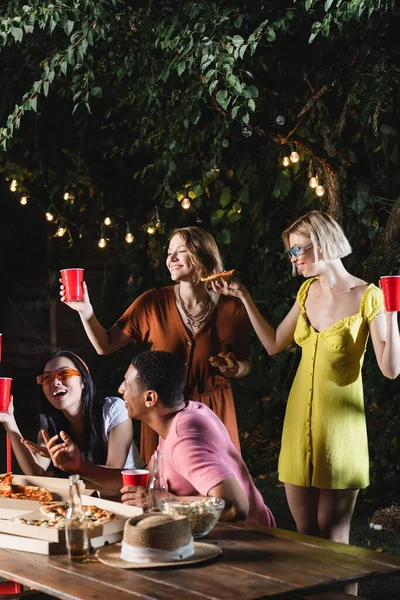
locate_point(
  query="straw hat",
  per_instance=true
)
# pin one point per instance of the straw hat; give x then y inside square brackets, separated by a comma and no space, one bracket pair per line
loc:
[156,541]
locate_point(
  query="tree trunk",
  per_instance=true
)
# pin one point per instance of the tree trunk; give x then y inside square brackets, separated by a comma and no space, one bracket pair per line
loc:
[386,247]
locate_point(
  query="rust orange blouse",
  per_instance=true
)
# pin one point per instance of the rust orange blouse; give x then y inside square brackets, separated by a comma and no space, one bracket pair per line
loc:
[154,318]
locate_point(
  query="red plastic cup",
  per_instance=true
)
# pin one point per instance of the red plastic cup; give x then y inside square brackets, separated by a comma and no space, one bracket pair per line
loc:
[390,285]
[72,281]
[5,392]
[136,477]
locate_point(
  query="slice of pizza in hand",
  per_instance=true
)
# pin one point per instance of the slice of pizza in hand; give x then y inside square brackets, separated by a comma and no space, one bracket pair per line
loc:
[222,360]
[220,275]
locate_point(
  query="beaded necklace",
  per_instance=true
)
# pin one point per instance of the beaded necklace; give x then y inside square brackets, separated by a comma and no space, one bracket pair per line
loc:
[195,321]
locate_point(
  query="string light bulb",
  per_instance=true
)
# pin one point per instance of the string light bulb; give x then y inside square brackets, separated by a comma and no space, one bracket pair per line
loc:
[23,200]
[151,230]
[107,221]
[246,132]
[214,170]
[313,183]
[61,231]
[294,155]
[49,216]
[102,243]
[66,196]
[285,161]
[129,238]
[320,190]
[185,203]
[14,185]
[158,221]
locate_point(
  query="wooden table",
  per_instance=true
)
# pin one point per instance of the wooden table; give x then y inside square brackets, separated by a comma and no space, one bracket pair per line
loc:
[257,562]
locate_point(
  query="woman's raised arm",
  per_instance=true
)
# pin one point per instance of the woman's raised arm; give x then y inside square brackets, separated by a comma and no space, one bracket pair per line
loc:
[104,341]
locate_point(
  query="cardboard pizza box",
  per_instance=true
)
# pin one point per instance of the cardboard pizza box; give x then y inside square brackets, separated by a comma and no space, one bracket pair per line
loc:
[42,540]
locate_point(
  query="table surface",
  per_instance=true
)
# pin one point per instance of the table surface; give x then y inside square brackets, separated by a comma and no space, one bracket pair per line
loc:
[257,562]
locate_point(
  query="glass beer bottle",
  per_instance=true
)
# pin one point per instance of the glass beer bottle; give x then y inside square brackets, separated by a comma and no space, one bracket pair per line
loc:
[157,488]
[76,524]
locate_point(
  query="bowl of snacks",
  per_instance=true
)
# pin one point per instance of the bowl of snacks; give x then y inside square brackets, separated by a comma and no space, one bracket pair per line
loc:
[202,511]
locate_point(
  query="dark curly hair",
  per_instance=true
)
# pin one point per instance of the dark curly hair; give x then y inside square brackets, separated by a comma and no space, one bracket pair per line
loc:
[162,372]
[53,421]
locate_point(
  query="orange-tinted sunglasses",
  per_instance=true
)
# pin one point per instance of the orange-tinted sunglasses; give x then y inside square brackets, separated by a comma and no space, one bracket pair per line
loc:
[61,374]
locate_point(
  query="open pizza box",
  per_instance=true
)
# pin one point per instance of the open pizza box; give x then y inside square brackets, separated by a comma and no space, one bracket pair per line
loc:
[46,540]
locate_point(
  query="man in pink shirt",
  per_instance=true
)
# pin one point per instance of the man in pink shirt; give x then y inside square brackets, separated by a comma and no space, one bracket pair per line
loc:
[199,456]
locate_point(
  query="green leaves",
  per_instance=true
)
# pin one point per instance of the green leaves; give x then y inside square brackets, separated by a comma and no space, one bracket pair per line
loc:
[223,98]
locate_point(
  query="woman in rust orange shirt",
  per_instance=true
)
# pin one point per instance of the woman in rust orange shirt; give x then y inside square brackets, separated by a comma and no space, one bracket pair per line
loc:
[187,319]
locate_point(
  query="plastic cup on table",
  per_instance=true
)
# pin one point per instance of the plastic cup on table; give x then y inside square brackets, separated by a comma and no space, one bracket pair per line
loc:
[135,477]
[72,280]
[5,393]
[390,286]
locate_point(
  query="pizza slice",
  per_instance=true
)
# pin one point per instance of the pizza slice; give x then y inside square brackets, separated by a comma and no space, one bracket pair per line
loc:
[5,485]
[31,492]
[220,275]
[222,360]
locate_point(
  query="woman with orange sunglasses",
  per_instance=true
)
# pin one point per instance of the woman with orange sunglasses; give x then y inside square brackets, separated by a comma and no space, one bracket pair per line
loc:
[102,430]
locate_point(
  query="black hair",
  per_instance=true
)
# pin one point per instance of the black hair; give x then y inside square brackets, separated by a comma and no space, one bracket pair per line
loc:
[53,421]
[162,372]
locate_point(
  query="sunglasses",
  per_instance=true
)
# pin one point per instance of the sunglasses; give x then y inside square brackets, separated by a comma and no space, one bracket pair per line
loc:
[61,374]
[296,251]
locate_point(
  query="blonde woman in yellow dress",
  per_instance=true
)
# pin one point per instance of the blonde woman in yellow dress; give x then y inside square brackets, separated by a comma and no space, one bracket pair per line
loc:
[324,455]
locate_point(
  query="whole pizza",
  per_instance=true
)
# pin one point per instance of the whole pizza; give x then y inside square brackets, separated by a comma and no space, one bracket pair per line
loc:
[56,512]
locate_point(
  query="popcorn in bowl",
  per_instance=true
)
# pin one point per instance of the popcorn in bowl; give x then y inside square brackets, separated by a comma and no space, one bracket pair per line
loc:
[202,511]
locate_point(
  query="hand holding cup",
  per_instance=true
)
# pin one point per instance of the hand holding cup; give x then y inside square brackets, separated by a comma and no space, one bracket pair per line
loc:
[5,393]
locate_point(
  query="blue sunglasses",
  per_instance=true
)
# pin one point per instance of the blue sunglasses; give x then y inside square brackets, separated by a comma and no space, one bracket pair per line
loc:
[298,250]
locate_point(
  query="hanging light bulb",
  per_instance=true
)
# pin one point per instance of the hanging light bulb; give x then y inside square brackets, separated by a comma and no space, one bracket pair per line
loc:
[313,183]
[294,155]
[14,185]
[214,170]
[246,132]
[185,203]
[66,196]
[61,231]
[285,161]
[107,221]
[129,238]
[23,200]
[151,230]
[280,120]
[102,243]
[320,190]
[49,216]
[158,221]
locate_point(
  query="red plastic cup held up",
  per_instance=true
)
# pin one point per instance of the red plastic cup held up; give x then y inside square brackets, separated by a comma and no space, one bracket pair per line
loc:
[72,281]
[5,392]
[390,286]
[136,477]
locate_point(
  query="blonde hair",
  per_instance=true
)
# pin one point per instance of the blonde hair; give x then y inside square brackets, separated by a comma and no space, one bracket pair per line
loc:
[203,250]
[325,233]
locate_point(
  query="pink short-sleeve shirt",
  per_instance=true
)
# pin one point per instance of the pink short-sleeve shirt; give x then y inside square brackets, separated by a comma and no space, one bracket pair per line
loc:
[199,454]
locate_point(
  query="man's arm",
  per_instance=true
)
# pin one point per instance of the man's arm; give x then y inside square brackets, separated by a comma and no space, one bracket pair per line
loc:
[236,503]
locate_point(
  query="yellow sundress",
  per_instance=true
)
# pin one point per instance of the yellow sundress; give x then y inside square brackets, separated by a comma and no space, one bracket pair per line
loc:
[324,439]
